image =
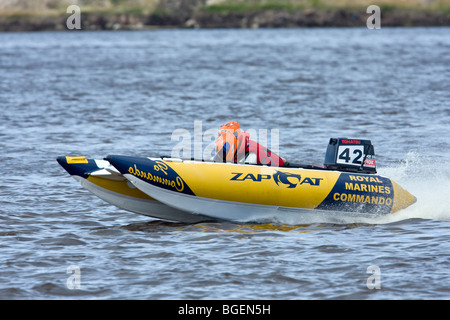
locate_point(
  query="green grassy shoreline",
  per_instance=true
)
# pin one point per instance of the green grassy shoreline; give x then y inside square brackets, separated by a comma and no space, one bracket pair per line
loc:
[124,15]
[436,6]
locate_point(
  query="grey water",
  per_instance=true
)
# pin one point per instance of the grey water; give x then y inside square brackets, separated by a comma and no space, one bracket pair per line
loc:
[100,93]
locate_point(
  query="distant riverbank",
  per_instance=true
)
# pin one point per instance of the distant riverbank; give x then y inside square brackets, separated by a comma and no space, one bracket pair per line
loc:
[224,14]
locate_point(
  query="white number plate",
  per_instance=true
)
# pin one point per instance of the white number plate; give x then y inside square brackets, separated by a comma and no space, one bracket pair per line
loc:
[350,155]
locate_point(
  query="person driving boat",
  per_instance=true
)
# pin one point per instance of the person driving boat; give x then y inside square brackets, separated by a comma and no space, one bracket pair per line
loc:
[234,145]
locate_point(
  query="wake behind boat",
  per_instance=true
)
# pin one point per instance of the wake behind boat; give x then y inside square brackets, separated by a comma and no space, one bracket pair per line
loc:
[194,191]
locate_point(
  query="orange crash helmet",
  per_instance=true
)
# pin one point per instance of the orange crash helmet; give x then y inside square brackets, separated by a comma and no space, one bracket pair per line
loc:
[227,141]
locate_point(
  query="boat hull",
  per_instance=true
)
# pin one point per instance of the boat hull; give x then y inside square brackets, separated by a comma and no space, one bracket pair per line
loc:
[250,192]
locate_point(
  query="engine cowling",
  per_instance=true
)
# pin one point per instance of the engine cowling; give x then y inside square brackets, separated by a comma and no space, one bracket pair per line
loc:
[350,155]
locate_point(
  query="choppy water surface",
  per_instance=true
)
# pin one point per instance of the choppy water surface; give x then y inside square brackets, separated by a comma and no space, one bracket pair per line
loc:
[99,93]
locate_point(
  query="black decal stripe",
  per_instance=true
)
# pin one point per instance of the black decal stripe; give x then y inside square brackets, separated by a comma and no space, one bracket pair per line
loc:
[341,198]
[78,169]
[155,172]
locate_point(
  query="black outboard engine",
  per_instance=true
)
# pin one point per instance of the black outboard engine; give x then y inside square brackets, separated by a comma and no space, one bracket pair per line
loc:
[351,155]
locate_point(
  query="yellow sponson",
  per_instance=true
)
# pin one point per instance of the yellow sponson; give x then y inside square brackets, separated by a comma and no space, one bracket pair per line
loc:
[120,187]
[256,184]
[292,187]
[403,198]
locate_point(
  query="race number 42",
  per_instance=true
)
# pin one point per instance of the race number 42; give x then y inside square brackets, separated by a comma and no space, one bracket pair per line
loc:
[350,155]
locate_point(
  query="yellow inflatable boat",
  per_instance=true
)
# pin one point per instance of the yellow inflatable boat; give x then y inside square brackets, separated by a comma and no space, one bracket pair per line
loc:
[193,191]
